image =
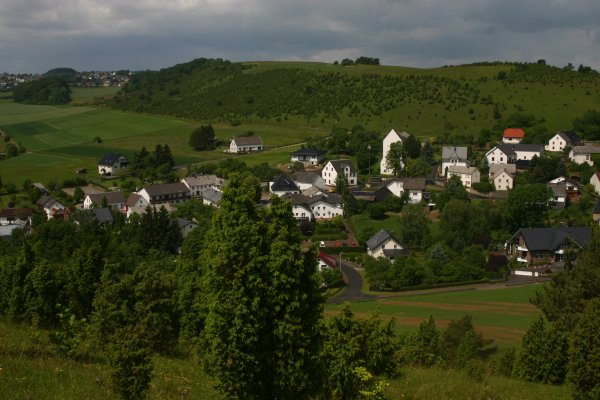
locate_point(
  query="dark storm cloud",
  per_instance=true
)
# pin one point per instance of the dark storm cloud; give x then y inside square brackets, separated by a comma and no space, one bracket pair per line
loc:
[108,34]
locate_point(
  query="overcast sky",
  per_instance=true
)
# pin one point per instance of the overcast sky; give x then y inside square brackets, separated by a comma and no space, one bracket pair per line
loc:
[36,35]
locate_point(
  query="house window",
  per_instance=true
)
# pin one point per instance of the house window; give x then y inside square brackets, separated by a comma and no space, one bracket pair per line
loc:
[492,158]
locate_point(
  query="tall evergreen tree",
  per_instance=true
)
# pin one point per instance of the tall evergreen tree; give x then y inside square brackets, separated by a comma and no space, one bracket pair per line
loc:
[584,355]
[262,335]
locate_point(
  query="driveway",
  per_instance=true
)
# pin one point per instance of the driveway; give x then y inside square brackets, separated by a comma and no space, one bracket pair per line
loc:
[354,282]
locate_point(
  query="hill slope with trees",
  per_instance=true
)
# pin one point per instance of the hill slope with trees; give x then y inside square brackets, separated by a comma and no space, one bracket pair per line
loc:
[426,101]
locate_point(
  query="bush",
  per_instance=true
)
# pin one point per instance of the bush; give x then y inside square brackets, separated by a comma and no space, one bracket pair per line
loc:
[483,186]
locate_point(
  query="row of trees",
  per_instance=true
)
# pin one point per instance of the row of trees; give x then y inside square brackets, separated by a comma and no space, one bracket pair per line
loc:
[49,90]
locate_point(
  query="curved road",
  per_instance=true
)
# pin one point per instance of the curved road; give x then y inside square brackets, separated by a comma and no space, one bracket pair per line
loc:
[354,284]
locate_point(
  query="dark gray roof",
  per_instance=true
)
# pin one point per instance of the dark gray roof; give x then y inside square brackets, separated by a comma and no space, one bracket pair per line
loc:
[339,165]
[551,238]
[212,195]
[111,197]
[309,151]
[409,183]
[379,238]
[283,183]
[181,222]
[558,189]
[454,153]
[597,207]
[511,149]
[300,199]
[586,149]
[570,137]
[109,159]
[395,252]
[248,140]
[103,215]
[167,189]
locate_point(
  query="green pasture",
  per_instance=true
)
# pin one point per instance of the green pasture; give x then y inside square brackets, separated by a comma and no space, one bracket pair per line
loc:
[78,93]
[362,223]
[502,314]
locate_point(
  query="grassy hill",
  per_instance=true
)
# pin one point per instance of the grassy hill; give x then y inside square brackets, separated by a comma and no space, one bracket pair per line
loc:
[30,369]
[427,102]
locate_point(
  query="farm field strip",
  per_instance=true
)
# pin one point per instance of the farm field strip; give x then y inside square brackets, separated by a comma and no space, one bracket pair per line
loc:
[501,314]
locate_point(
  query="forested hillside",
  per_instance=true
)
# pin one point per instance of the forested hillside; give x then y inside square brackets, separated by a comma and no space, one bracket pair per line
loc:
[449,99]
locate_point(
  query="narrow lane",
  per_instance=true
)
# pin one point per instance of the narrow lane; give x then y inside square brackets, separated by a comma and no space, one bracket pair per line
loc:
[354,284]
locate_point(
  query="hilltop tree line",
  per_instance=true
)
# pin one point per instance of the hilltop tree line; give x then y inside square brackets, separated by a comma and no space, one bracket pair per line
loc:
[48,90]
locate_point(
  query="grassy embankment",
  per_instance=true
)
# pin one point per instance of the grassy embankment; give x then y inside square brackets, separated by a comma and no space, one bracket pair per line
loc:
[29,369]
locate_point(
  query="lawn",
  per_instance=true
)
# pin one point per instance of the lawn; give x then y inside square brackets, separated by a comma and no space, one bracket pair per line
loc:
[502,314]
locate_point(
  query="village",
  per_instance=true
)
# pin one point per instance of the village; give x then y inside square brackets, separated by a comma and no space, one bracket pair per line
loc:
[316,196]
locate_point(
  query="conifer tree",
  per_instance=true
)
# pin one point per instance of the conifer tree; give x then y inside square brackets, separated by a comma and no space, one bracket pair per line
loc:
[584,355]
[262,336]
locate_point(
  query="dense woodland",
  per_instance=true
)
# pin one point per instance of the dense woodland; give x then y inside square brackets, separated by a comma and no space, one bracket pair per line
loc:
[49,90]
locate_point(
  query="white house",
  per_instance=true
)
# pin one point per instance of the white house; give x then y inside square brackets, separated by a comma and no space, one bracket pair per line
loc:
[211,197]
[511,153]
[595,182]
[185,226]
[504,180]
[112,164]
[282,185]
[135,201]
[497,169]
[561,140]
[335,167]
[392,137]
[317,206]
[383,244]
[308,156]
[467,175]
[453,155]
[305,180]
[583,154]
[114,200]
[513,135]
[166,193]
[49,205]
[414,186]
[245,144]
[198,182]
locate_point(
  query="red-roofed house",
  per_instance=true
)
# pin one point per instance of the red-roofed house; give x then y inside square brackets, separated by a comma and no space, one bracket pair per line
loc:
[513,135]
[326,261]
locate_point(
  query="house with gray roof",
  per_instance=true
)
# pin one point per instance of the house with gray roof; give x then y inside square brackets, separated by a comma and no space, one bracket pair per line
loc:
[383,244]
[309,156]
[454,156]
[166,193]
[505,153]
[468,175]
[185,226]
[561,140]
[282,185]
[211,197]
[583,154]
[415,187]
[318,206]
[547,245]
[245,144]
[339,167]
[114,200]
[198,182]
[305,180]
[49,205]
[112,164]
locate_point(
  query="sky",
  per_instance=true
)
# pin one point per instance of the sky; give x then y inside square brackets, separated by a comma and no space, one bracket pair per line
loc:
[37,35]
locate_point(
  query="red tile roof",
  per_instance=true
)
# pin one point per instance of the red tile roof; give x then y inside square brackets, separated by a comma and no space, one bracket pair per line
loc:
[517,133]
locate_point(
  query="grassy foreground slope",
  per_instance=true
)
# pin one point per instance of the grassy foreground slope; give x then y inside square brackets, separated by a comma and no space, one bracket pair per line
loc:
[427,102]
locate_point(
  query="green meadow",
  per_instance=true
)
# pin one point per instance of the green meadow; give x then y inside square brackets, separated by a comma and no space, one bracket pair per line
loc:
[502,314]
[60,140]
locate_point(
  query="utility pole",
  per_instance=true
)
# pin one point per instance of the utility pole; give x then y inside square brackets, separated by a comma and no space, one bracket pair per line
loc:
[369,181]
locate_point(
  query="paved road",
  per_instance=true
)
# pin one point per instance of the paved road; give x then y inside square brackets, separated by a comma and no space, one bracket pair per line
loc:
[355,283]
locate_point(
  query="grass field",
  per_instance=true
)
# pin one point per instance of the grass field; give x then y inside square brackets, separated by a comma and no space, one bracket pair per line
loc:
[30,370]
[500,314]
[60,140]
